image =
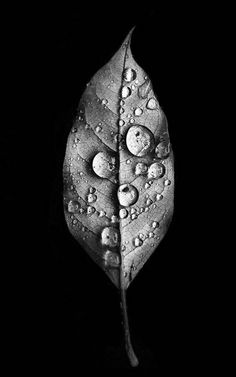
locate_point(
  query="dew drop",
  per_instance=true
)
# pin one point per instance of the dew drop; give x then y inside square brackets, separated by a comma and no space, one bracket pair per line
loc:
[155,224]
[92,190]
[147,185]
[144,89]
[109,237]
[121,111]
[122,102]
[128,161]
[123,213]
[159,197]
[163,149]
[98,129]
[82,210]
[132,120]
[167,182]
[73,206]
[156,170]
[134,216]
[137,242]
[102,213]
[132,211]
[117,138]
[104,102]
[148,202]
[140,168]
[151,235]
[127,195]
[139,140]
[114,218]
[129,74]
[111,259]
[123,248]
[91,198]
[104,165]
[125,92]
[138,111]
[141,209]
[152,104]
[121,122]
[74,129]
[90,210]
[142,236]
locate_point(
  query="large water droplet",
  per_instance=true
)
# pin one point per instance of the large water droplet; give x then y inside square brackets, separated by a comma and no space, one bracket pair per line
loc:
[73,206]
[152,104]
[111,259]
[139,140]
[144,89]
[109,237]
[127,195]
[129,74]
[138,111]
[156,170]
[123,213]
[140,168]
[125,92]
[104,165]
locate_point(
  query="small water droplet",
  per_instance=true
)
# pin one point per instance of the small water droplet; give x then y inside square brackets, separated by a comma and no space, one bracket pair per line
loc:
[148,202]
[131,120]
[102,213]
[134,216]
[123,248]
[74,221]
[151,235]
[90,210]
[129,74]
[140,168]
[74,129]
[133,87]
[159,197]
[121,122]
[123,213]
[152,104]
[114,218]
[141,209]
[156,170]
[83,229]
[127,195]
[138,111]
[147,185]
[109,237]
[146,209]
[139,140]
[132,210]
[155,224]
[92,190]
[87,126]
[117,138]
[91,198]
[98,129]
[128,161]
[82,210]
[142,236]
[121,111]
[125,92]
[73,206]
[111,259]
[104,102]
[137,242]
[81,173]
[122,102]
[167,182]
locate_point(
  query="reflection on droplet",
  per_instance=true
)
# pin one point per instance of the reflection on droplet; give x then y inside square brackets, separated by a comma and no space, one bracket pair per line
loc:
[137,242]
[92,190]
[104,102]
[125,92]
[155,224]
[167,182]
[98,129]
[104,165]
[139,140]
[123,213]
[121,111]
[109,237]
[138,111]
[127,195]
[90,210]
[144,89]
[73,206]
[121,122]
[128,161]
[159,197]
[148,202]
[156,170]
[129,74]
[152,104]
[91,198]
[140,168]
[111,259]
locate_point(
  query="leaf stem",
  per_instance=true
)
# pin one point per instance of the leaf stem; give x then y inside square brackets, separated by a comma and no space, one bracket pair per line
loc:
[129,349]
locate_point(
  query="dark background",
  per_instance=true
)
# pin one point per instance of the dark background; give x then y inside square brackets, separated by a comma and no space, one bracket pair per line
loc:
[68,312]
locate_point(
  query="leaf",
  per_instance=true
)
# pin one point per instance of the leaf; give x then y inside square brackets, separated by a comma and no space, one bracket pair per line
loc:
[118,172]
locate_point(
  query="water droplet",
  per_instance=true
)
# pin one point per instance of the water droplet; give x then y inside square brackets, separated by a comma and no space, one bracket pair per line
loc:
[82,210]
[127,195]
[167,182]
[111,259]
[155,224]
[131,120]
[129,74]
[123,213]
[159,197]
[134,216]
[121,111]
[122,102]
[114,218]
[128,161]
[74,129]
[90,210]
[144,89]
[109,237]
[123,248]
[146,209]
[137,242]
[140,168]
[163,149]
[102,213]
[139,140]
[125,92]
[73,206]
[156,170]
[83,229]
[147,185]
[104,102]
[81,173]
[104,165]
[92,190]
[148,202]
[117,138]
[98,129]
[91,198]
[152,104]
[141,209]
[132,210]
[74,221]
[142,236]
[87,126]
[121,122]
[151,235]
[138,111]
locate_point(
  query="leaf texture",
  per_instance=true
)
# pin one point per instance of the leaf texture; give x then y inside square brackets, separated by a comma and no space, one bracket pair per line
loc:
[118,169]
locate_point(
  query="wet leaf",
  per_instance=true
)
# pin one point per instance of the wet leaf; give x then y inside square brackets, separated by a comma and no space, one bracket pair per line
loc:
[118,169]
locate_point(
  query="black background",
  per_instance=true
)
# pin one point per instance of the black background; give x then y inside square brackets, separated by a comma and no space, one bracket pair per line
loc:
[68,312]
